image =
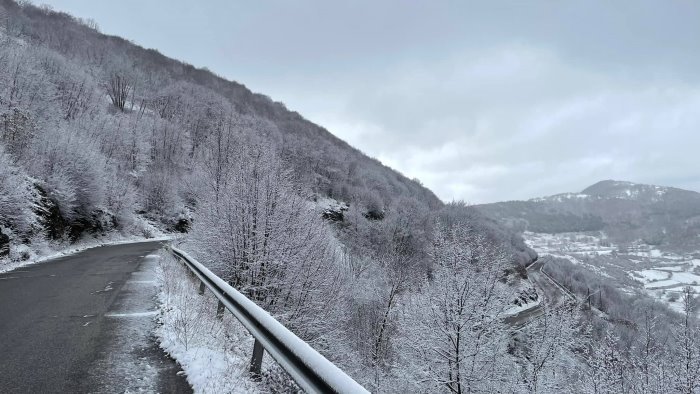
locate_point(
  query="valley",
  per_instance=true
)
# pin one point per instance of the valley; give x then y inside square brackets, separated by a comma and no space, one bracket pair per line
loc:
[636,268]
[340,256]
[614,243]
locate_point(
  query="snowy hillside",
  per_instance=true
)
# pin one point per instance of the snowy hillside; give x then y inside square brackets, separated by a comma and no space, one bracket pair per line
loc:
[614,190]
[101,139]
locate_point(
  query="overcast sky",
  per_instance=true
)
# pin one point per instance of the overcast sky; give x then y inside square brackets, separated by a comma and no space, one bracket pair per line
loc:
[482,102]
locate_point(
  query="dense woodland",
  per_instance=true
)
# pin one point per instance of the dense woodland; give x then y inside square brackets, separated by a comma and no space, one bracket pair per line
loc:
[405,293]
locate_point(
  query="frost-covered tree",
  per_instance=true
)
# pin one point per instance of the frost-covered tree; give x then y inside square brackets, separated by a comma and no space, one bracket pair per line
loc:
[605,372]
[16,131]
[454,338]
[544,348]
[265,240]
[647,356]
[687,346]
[118,88]
[16,198]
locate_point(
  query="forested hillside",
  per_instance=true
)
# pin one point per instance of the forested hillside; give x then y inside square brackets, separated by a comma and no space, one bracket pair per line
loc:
[99,136]
[101,133]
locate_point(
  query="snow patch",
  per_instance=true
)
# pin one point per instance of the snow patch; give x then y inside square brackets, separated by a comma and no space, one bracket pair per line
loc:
[132,314]
[654,275]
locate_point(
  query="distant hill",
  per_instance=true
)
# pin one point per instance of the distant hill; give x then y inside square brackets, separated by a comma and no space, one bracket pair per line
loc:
[626,211]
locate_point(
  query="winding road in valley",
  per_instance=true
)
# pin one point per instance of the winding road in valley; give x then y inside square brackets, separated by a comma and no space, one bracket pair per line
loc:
[85,323]
[551,294]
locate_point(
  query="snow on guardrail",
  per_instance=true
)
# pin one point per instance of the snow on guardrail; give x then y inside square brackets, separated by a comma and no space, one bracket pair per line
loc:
[309,369]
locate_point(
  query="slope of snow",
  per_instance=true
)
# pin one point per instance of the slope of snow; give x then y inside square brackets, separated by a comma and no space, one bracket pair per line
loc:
[562,197]
[611,190]
[324,369]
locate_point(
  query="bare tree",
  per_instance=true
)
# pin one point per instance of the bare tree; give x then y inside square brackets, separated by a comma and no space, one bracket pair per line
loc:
[118,88]
[647,358]
[687,336]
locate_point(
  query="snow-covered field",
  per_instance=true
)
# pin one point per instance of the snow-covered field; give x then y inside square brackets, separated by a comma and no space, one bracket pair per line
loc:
[578,244]
[660,274]
[578,248]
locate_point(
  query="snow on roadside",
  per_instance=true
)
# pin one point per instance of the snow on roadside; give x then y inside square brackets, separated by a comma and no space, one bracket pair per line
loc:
[131,361]
[515,309]
[213,353]
[46,251]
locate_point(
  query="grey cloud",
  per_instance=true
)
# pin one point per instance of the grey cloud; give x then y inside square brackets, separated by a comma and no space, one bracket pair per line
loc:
[481,101]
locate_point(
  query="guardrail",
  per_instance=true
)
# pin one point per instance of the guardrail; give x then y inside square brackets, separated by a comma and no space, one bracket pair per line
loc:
[557,284]
[309,369]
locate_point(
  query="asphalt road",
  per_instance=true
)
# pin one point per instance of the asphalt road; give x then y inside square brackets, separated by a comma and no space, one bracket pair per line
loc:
[63,330]
[551,295]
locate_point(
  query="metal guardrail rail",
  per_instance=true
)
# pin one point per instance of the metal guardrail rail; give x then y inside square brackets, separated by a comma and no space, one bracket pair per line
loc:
[556,283]
[309,369]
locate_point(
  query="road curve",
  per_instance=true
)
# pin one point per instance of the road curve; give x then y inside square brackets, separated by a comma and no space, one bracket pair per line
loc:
[66,326]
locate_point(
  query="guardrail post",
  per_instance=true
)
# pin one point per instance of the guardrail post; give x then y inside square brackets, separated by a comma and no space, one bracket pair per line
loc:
[201,288]
[220,310]
[256,360]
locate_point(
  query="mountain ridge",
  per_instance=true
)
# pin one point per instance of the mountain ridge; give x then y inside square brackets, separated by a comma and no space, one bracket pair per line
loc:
[619,189]
[627,210]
